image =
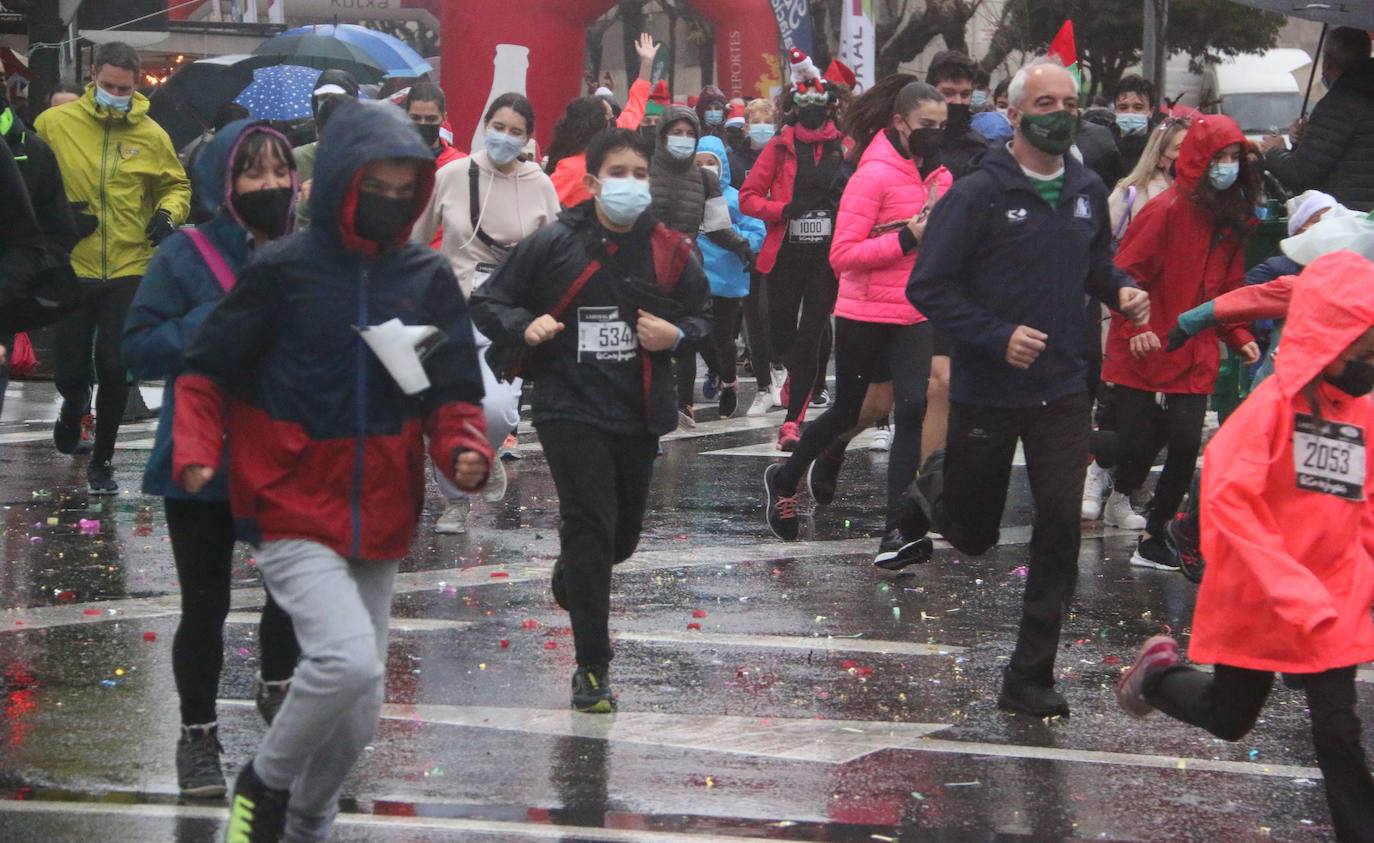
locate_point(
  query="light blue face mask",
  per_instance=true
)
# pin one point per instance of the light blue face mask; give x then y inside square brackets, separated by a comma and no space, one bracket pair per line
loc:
[714,116]
[1222,176]
[980,99]
[503,148]
[680,147]
[623,200]
[761,133]
[1132,124]
[110,101]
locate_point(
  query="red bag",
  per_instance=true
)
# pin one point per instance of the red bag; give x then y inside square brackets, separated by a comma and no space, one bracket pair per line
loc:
[22,359]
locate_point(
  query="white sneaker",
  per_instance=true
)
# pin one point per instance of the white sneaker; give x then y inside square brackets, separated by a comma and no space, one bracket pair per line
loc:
[1095,485]
[763,402]
[1118,513]
[775,390]
[454,521]
[882,440]
[496,483]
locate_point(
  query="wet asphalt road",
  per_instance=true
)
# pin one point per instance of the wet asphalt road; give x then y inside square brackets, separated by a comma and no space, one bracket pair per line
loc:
[766,691]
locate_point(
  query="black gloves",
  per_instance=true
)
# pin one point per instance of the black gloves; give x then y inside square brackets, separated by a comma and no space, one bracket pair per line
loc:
[86,223]
[1177,339]
[746,256]
[160,227]
[793,209]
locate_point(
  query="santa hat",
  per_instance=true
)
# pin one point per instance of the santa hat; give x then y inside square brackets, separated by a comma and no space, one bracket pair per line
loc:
[803,69]
[658,99]
[736,116]
[840,73]
[691,100]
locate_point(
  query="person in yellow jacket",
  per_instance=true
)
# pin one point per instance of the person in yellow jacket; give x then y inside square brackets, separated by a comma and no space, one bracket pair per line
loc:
[128,191]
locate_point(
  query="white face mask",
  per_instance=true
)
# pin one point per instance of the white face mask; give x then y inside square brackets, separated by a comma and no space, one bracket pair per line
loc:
[680,147]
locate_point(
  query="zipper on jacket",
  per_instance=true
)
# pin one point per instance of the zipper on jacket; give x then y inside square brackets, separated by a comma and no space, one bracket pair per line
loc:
[104,211]
[359,416]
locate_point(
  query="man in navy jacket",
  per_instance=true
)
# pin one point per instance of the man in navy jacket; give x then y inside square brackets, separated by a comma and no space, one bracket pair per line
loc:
[1008,256]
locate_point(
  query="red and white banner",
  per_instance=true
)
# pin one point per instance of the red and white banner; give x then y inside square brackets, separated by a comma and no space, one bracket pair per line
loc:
[858,41]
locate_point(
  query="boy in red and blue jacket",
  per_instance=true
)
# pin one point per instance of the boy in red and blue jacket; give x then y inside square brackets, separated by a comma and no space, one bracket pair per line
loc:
[326,451]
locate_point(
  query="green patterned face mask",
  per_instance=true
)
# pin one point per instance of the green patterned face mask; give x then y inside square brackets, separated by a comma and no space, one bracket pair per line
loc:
[1051,133]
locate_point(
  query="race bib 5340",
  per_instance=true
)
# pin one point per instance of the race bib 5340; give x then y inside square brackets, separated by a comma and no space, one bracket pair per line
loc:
[603,337]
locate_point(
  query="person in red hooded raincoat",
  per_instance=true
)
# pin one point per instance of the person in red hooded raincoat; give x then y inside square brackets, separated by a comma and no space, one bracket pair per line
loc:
[1186,246]
[1288,532]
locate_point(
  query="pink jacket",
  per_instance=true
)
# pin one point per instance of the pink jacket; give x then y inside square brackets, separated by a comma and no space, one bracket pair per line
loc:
[873,270]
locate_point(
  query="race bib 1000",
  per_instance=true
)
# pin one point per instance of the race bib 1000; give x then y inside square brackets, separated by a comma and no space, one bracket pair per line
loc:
[1329,457]
[811,227]
[603,337]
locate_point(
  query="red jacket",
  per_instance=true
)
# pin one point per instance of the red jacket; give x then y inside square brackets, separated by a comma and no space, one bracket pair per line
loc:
[768,189]
[1290,570]
[1172,250]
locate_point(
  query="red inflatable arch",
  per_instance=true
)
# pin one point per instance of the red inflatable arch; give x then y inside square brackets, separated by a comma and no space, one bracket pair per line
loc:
[543,42]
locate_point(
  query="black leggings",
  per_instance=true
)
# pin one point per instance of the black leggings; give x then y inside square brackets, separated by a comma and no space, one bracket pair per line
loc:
[1228,703]
[1143,428]
[96,324]
[719,352]
[801,280]
[756,331]
[868,353]
[202,534]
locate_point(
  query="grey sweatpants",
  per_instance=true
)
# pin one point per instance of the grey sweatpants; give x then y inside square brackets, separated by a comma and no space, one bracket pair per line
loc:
[340,609]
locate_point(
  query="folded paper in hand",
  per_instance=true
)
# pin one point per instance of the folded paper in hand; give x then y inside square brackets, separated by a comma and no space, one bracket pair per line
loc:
[402,349]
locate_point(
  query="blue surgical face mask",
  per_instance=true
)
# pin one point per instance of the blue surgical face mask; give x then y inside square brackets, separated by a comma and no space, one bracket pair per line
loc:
[623,200]
[714,116]
[110,101]
[1132,124]
[980,99]
[503,148]
[761,133]
[680,147]
[1222,176]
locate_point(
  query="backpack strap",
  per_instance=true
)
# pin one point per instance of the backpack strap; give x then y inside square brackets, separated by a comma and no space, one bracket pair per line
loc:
[212,257]
[579,282]
[1129,213]
[475,211]
[671,251]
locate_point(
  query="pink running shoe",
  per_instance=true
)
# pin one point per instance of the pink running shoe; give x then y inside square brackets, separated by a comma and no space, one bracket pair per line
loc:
[1157,653]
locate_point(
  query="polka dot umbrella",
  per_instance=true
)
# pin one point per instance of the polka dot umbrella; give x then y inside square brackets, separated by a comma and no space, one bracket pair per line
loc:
[279,92]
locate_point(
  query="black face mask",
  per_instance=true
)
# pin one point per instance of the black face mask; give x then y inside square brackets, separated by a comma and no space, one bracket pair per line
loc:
[813,116]
[265,210]
[381,219]
[1356,380]
[925,143]
[959,120]
[429,133]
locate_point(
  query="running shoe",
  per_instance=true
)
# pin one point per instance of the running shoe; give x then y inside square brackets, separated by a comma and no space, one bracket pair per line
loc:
[591,690]
[509,448]
[1157,653]
[823,475]
[1184,544]
[896,552]
[788,436]
[100,479]
[1118,513]
[1141,499]
[882,439]
[557,586]
[199,773]
[729,399]
[497,481]
[781,509]
[1024,697]
[776,386]
[820,398]
[785,394]
[686,418]
[66,431]
[87,435]
[454,521]
[763,402]
[257,813]
[710,386]
[270,697]
[1095,485]
[1151,552]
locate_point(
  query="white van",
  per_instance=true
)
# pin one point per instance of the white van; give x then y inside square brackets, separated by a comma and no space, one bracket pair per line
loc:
[1262,92]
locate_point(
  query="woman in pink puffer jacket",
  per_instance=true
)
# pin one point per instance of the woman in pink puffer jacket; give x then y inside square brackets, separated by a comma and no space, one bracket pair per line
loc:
[882,344]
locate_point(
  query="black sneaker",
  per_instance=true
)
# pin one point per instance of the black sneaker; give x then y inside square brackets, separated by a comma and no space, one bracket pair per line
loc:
[917,510]
[1024,697]
[823,475]
[1150,552]
[257,813]
[820,398]
[560,591]
[270,697]
[729,399]
[781,509]
[66,431]
[100,479]
[591,690]
[198,770]
[1185,549]
[895,552]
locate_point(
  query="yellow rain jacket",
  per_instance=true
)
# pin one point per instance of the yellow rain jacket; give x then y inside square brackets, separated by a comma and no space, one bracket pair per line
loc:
[123,166]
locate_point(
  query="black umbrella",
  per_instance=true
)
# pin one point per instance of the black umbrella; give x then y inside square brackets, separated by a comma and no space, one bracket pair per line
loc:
[319,51]
[185,104]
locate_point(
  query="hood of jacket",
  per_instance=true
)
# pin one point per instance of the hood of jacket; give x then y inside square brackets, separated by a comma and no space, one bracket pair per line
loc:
[357,134]
[138,107]
[674,114]
[715,146]
[213,175]
[711,95]
[1333,303]
[1207,135]
[342,78]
